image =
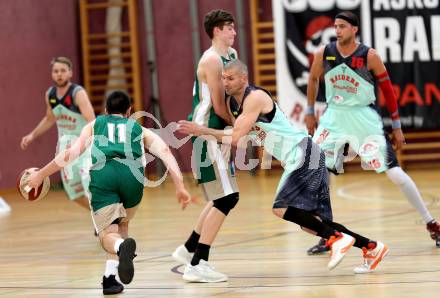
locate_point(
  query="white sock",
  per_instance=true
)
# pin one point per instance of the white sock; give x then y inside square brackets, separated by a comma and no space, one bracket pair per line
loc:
[409,189]
[111,268]
[117,244]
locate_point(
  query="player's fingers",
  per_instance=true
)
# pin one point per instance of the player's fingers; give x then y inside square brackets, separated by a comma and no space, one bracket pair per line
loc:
[184,130]
[184,204]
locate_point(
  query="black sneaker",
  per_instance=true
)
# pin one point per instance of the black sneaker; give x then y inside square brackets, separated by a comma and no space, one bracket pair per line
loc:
[433,228]
[318,248]
[111,286]
[126,255]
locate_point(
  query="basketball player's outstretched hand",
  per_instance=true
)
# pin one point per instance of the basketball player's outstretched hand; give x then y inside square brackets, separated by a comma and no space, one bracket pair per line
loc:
[183,197]
[398,139]
[34,180]
[26,140]
[189,128]
[310,121]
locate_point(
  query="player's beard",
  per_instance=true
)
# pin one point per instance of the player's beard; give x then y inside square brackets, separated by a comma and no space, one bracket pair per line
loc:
[231,92]
[62,84]
[234,91]
[346,41]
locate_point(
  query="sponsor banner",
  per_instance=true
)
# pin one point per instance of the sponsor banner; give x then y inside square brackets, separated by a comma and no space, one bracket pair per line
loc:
[402,32]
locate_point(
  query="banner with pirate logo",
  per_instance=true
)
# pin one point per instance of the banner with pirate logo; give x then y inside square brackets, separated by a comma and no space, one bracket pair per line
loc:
[402,33]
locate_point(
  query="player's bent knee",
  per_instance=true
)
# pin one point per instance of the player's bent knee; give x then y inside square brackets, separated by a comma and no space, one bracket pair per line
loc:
[226,204]
[279,212]
[113,228]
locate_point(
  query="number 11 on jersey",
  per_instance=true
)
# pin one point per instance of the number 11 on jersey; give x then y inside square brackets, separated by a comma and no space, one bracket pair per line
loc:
[121,132]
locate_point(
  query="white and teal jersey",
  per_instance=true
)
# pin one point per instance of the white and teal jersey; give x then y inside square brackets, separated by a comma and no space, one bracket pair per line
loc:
[70,122]
[69,119]
[274,132]
[348,82]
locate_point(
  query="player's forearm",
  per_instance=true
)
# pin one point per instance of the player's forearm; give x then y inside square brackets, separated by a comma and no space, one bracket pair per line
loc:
[390,98]
[176,175]
[61,160]
[65,157]
[312,91]
[43,126]
[51,168]
[222,135]
[225,136]
[171,164]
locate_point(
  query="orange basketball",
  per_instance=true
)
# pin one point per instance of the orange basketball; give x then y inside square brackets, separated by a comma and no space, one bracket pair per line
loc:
[28,193]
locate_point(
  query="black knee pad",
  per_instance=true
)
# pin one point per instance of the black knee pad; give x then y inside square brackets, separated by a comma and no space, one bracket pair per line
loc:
[227,203]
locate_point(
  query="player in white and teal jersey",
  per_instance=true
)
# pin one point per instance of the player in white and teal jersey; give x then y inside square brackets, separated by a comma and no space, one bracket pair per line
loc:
[351,71]
[211,164]
[303,191]
[117,181]
[68,106]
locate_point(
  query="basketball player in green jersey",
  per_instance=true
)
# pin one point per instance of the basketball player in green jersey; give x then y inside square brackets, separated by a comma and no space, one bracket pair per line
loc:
[303,191]
[117,181]
[69,107]
[350,71]
[211,167]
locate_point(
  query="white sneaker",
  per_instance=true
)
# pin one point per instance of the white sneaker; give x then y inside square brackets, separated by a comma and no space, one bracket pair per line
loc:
[203,272]
[182,255]
[340,245]
[372,258]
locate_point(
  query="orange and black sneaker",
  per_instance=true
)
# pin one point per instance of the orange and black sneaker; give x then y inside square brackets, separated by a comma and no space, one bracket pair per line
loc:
[433,228]
[340,244]
[372,258]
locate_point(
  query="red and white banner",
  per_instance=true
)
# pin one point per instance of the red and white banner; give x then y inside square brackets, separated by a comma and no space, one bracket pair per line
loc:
[402,32]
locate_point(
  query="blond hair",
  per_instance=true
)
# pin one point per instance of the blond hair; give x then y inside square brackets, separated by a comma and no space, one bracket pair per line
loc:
[63,60]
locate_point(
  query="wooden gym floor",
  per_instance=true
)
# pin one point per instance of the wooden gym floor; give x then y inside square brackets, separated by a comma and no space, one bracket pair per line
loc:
[48,249]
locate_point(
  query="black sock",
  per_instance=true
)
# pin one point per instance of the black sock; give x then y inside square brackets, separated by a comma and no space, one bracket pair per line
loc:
[308,220]
[201,253]
[360,242]
[192,241]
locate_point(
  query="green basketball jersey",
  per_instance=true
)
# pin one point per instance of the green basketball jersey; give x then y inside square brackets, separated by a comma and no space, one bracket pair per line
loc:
[202,109]
[274,131]
[348,82]
[117,138]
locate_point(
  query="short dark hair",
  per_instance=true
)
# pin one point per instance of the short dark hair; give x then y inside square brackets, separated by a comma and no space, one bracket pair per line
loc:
[117,102]
[217,18]
[63,60]
[348,16]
